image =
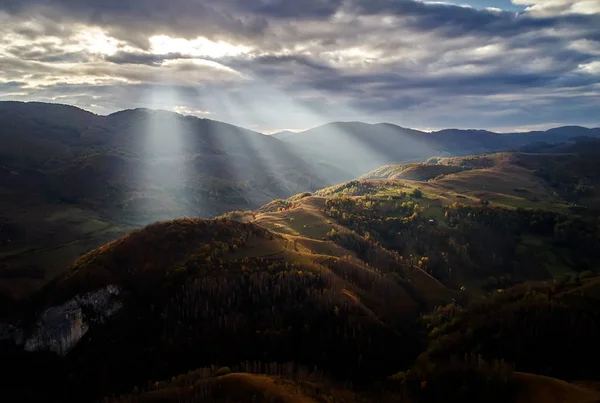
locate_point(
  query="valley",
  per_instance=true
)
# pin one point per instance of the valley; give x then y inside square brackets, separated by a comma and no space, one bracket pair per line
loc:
[442,276]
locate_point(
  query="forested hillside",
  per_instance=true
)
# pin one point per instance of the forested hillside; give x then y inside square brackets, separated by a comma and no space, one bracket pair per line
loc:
[447,280]
[373,290]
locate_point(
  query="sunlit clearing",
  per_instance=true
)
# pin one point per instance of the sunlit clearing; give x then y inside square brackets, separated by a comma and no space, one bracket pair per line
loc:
[199,47]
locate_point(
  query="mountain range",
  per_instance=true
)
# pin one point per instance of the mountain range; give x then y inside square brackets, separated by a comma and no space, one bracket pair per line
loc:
[359,147]
[71,180]
[463,269]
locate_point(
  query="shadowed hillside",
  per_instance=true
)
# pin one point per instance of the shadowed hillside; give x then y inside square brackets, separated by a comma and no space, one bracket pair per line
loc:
[201,292]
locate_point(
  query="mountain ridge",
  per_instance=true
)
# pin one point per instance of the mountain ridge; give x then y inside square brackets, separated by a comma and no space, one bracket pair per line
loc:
[286,132]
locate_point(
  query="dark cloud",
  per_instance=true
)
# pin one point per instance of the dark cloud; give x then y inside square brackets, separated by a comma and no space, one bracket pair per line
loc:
[298,69]
[456,20]
[122,57]
[46,52]
[129,18]
[411,62]
[12,85]
[291,8]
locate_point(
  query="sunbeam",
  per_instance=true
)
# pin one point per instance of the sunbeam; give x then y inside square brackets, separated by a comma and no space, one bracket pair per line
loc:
[246,106]
[164,175]
[190,162]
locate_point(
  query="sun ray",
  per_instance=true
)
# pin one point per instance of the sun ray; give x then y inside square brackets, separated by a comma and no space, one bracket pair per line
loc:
[164,175]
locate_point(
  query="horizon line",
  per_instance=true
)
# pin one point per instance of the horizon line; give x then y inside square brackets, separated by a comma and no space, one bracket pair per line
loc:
[299,131]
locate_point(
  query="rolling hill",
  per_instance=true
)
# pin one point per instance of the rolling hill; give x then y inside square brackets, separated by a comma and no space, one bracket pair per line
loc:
[198,292]
[359,147]
[547,176]
[184,294]
[446,270]
[354,282]
[71,180]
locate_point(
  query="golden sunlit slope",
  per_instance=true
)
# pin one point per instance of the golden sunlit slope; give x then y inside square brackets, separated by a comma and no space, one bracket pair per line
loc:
[413,171]
[296,231]
[305,223]
[142,260]
[500,179]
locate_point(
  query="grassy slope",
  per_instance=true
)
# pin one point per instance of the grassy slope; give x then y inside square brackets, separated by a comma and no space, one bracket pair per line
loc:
[504,183]
[306,226]
[147,250]
[415,171]
[498,178]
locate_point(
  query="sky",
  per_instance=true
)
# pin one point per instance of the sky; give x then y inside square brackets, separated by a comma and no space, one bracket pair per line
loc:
[272,65]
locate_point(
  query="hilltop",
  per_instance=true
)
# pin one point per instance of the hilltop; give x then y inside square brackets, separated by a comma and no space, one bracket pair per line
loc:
[545,177]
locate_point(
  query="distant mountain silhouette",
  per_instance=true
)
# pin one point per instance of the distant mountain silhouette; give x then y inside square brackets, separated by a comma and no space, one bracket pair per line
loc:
[360,147]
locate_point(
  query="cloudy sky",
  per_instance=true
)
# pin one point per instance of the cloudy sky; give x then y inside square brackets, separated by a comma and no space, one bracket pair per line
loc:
[293,64]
